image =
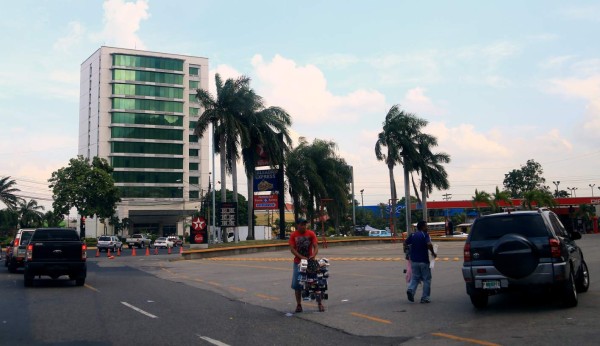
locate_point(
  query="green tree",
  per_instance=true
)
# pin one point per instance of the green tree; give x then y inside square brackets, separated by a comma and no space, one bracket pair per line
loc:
[9,221]
[30,214]
[7,192]
[481,197]
[539,197]
[52,219]
[87,187]
[225,112]
[432,172]
[527,178]
[500,196]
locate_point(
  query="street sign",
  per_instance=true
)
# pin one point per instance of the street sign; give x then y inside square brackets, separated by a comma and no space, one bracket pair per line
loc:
[265,180]
[227,214]
[198,234]
[266,202]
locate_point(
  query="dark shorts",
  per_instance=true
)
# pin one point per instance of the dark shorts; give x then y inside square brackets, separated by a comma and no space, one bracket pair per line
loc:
[295,283]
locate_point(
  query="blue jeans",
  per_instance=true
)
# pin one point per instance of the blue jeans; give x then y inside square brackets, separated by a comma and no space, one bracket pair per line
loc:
[420,272]
[295,283]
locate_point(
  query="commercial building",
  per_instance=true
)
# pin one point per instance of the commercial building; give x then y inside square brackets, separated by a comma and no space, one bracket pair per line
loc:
[138,111]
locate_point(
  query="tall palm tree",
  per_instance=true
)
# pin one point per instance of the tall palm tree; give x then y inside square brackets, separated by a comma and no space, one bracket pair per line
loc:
[432,172]
[539,197]
[481,197]
[267,130]
[7,192]
[234,99]
[30,214]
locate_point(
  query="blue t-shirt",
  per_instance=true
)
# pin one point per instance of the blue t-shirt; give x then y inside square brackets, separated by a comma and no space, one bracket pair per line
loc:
[418,246]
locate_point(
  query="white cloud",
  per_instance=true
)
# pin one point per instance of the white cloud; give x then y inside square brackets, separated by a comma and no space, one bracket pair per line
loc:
[416,101]
[556,61]
[302,91]
[587,89]
[589,12]
[73,37]
[122,22]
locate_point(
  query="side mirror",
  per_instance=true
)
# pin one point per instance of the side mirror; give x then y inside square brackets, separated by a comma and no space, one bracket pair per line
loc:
[575,235]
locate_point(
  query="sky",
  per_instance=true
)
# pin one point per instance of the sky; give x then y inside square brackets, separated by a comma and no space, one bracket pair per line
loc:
[499,82]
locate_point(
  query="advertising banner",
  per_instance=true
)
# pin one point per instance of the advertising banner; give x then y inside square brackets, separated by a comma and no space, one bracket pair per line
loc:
[198,231]
[266,202]
[265,180]
[227,214]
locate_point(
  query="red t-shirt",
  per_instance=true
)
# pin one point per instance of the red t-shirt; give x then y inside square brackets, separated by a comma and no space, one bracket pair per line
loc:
[302,243]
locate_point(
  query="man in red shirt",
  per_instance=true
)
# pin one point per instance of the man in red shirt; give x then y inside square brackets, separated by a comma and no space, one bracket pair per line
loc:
[304,245]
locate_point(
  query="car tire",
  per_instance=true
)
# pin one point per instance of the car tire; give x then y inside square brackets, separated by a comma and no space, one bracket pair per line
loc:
[479,299]
[129,246]
[515,256]
[27,279]
[142,245]
[570,291]
[583,278]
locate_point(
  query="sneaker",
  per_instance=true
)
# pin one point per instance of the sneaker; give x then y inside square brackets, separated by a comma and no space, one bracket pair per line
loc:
[410,295]
[425,301]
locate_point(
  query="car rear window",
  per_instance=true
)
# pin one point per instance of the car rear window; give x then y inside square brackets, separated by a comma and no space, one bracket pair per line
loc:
[25,236]
[104,238]
[55,234]
[495,227]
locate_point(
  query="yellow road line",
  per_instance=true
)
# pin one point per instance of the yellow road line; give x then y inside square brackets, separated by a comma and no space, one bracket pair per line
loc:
[372,318]
[237,289]
[334,259]
[264,296]
[215,283]
[459,338]
[90,287]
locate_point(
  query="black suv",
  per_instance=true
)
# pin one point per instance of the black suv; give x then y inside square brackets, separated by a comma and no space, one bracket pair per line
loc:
[523,250]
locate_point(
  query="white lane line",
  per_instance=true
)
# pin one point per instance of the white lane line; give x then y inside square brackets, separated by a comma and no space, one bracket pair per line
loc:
[212,341]
[139,310]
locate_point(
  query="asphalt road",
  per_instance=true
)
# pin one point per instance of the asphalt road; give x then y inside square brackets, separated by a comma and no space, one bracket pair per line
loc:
[246,300]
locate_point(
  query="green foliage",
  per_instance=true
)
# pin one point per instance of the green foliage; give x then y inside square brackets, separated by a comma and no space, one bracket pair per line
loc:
[9,220]
[7,192]
[527,178]
[89,188]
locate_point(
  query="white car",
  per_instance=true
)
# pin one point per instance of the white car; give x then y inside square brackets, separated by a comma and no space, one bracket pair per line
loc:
[163,242]
[109,242]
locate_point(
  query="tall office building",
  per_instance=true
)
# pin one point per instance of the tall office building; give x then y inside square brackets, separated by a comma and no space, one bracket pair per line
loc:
[138,111]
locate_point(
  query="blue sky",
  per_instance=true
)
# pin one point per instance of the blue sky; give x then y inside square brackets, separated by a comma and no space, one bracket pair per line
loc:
[499,82]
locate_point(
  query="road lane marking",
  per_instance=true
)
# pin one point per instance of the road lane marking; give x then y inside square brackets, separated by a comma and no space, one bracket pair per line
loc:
[237,289]
[212,341]
[264,296]
[372,318]
[139,310]
[459,338]
[92,288]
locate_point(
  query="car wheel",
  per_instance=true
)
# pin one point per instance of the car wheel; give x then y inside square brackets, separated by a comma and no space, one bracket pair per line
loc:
[142,245]
[27,279]
[129,246]
[515,256]
[583,278]
[570,292]
[479,299]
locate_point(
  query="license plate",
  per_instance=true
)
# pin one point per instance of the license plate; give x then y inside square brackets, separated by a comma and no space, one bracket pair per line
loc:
[491,285]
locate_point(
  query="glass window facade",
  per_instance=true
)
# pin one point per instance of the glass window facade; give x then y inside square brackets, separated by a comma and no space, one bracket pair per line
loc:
[146,119]
[194,194]
[146,177]
[146,133]
[192,98]
[147,62]
[194,180]
[194,84]
[194,71]
[147,90]
[194,111]
[194,152]
[193,166]
[146,162]
[193,124]
[150,192]
[147,76]
[146,148]
[147,105]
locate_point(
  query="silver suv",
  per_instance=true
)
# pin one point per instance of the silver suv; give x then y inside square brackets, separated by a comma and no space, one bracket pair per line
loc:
[523,250]
[16,256]
[106,242]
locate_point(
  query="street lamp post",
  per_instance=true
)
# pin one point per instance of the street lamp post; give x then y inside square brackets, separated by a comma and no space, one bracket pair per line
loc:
[556,183]
[447,197]
[572,189]
[362,200]
[592,186]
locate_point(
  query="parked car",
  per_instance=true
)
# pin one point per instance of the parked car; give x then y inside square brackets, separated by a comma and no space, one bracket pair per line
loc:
[139,240]
[176,241]
[163,242]
[523,250]
[111,242]
[8,252]
[16,258]
[380,233]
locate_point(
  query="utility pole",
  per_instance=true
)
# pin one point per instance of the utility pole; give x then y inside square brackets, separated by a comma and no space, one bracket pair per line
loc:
[447,197]
[556,183]
[592,186]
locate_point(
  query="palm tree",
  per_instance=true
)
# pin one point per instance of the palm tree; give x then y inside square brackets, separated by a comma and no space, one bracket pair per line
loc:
[402,135]
[538,197]
[433,174]
[479,198]
[500,196]
[30,214]
[7,192]
[234,100]
[267,131]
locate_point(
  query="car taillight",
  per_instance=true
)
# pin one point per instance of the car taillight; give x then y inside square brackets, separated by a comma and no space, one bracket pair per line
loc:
[29,254]
[467,252]
[16,242]
[554,248]
[83,251]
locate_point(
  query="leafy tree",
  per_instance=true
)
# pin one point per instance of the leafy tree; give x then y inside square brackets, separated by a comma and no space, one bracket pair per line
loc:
[9,221]
[52,219]
[500,196]
[30,214]
[527,178]
[481,197]
[433,174]
[562,194]
[87,187]
[539,197]
[7,192]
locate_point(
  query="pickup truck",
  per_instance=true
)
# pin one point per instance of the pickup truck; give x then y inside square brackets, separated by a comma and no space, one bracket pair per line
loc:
[55,252]
[139,241]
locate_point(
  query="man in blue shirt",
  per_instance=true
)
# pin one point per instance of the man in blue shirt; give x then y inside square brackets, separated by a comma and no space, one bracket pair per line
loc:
[419,243]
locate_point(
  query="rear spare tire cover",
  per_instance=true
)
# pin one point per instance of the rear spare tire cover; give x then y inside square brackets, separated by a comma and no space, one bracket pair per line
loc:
[515,256]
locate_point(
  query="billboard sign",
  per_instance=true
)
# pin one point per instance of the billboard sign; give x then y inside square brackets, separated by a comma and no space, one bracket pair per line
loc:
[265,180]
[266,202]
